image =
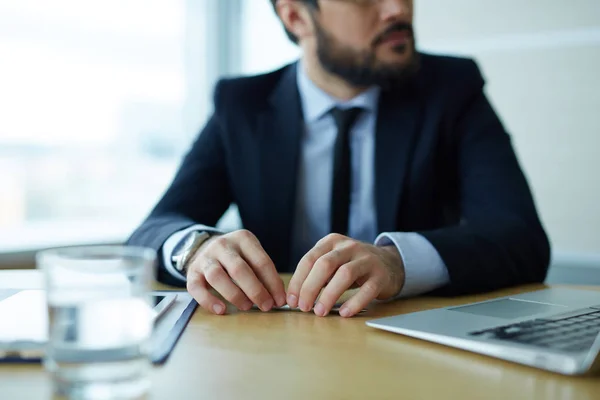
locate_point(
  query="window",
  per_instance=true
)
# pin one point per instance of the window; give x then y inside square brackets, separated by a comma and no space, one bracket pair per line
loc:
[265,45]
[96,110]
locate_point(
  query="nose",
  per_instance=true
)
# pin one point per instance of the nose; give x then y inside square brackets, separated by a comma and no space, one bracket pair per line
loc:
[396,9]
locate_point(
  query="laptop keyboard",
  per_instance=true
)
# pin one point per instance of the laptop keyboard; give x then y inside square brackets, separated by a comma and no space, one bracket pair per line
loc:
[571,332]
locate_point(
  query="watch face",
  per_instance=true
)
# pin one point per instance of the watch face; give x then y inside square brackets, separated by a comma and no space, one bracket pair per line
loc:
[180,249]
[183,249]
[177,249]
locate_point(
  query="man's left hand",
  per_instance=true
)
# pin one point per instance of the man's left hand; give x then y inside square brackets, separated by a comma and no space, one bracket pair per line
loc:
[338,263]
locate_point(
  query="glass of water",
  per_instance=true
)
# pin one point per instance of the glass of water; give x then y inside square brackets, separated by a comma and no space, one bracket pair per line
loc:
[100,320]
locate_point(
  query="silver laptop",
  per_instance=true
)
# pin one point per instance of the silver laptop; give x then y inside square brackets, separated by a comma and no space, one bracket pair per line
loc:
[553,329]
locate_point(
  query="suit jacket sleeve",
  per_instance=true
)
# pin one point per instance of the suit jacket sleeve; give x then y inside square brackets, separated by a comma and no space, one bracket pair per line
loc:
[500,240]
[200,193]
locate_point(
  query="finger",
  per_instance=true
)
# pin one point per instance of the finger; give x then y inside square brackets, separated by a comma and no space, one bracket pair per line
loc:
[242,274]
[198,288]
[307,262]
[322,271]
[344,279]
[263,267]
[216,277]
[367,293]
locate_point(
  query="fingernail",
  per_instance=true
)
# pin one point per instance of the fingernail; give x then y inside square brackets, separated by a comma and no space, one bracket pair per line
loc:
[292,301]
[345,312]
[280,300]
[218,309]
[320,310]
[303,306]
[267,305]
[246,306]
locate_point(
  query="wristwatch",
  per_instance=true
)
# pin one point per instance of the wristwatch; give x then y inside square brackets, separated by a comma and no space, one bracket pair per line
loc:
[186,248]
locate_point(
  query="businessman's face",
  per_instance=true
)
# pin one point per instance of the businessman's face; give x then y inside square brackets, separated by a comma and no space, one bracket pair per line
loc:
[366,42]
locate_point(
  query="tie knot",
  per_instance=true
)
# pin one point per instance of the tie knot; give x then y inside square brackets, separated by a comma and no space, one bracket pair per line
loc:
[345,118]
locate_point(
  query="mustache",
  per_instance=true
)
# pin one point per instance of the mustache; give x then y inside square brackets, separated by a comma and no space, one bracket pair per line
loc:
[397,27]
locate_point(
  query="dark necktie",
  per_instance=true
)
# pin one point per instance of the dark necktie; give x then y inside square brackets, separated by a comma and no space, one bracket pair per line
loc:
[342,170]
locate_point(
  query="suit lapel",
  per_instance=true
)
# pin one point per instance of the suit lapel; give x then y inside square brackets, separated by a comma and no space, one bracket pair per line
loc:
[280,128]
[396,132]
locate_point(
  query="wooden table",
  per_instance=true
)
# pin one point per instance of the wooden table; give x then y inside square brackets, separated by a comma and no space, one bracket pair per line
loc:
[300,356]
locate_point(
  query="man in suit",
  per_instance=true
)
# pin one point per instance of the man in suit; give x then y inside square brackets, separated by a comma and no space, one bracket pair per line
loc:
[366,164]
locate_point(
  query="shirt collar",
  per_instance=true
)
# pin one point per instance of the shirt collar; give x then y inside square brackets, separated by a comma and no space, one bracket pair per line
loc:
[316,103]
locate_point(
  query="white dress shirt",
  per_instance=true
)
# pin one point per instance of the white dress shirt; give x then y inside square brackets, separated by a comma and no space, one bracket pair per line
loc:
[424,268]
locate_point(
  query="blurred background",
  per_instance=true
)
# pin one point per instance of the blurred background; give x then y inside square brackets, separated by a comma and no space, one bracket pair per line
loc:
[99,100]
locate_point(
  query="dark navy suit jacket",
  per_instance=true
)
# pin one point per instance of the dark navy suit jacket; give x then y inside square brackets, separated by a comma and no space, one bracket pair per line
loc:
[444,167]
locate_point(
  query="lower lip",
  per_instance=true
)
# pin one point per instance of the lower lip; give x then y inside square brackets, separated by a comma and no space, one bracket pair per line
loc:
[397,40]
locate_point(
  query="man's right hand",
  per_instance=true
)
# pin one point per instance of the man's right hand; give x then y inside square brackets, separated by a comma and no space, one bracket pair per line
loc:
[237,267]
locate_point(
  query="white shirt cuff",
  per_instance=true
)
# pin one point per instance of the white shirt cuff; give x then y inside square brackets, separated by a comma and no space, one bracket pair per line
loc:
[424,269]
[172,241]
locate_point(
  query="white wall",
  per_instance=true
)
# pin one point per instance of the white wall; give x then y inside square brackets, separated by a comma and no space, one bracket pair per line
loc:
[541,59]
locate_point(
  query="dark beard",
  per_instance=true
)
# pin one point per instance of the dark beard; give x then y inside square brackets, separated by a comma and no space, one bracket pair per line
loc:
[361,68]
